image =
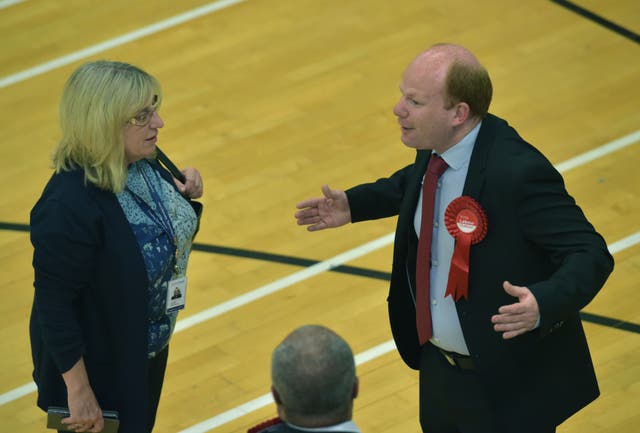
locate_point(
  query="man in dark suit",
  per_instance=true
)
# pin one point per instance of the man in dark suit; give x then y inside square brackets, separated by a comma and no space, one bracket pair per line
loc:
[314,383]
[512,259]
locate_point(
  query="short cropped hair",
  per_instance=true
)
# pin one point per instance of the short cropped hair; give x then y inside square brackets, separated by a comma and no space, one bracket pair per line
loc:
[470,84]
[313,372]
[97,101]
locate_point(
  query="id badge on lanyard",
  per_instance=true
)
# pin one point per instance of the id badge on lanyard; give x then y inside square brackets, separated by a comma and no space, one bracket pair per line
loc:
[176,294]
[177,287]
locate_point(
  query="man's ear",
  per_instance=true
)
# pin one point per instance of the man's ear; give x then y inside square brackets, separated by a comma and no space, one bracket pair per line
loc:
[275,395]
[356,388]
[463,112]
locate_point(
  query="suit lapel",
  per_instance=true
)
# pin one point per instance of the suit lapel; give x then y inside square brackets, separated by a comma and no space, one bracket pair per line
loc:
[476,174]
[415,183]
[412,193]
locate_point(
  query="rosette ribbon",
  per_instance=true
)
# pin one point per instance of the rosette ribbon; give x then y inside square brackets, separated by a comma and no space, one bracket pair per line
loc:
[466,221]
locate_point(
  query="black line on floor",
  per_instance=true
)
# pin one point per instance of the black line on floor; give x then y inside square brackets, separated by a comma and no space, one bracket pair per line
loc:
[610,322]
[629,34]
[344,269]
[14,227]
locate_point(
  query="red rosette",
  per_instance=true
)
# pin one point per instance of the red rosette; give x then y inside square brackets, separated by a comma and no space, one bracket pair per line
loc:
[467,222]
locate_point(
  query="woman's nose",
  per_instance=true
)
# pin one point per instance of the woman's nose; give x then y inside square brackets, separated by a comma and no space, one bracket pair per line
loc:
[156,120]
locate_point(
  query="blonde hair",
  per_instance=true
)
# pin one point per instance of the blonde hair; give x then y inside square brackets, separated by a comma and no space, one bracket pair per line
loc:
[97,101]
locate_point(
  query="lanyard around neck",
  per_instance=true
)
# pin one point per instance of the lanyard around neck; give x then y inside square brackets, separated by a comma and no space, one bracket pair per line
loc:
[161,215]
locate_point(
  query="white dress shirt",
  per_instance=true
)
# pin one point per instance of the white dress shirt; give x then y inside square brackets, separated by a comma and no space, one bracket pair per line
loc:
[447,332]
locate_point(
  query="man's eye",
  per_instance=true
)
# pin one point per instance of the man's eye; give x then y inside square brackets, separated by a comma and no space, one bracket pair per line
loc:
[142,117]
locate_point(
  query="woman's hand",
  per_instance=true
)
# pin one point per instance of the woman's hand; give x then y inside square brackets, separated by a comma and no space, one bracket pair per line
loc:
[86,415]
[192,186]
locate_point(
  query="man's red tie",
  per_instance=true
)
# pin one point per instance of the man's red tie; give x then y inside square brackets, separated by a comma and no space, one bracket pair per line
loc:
[436,167]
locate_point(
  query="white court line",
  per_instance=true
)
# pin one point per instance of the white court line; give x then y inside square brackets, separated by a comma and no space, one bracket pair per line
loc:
[120,40]
[292,279]
[368,355]
[379,243]
[625,243]
[217,310]
[246,298]
[7,3]
[266,399]
[18,392]
[283,282]
[596,153]
[377,351]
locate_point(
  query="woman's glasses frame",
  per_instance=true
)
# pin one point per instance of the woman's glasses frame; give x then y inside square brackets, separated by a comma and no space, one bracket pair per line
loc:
[144,117]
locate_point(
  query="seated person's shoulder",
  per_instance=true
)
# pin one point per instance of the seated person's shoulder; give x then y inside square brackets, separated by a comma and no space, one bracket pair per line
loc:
[275,425]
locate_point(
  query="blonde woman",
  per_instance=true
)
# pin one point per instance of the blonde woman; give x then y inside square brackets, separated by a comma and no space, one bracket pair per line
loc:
[112,233]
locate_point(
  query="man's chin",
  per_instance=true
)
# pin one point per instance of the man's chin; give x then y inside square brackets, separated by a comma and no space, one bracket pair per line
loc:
[408,140]
[409,143]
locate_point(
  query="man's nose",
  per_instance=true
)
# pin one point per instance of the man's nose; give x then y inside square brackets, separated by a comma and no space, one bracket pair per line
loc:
[399,109]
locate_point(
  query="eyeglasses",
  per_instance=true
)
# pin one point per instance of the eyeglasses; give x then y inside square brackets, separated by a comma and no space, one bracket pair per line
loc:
[144,117]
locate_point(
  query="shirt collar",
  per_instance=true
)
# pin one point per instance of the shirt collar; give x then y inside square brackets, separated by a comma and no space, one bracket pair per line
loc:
[346,427]
[459,154]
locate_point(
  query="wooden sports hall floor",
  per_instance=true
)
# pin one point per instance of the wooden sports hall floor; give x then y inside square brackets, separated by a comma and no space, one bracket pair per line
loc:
[272,98]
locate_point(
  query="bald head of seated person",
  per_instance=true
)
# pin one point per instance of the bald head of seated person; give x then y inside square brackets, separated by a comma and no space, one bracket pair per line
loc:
[314,382]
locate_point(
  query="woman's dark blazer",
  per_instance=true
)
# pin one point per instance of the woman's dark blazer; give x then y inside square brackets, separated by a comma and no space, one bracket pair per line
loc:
[537,237]
[91,298]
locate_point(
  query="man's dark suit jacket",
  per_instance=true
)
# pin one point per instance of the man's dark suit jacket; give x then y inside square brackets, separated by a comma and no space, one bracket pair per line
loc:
[537,237]
[91,298]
